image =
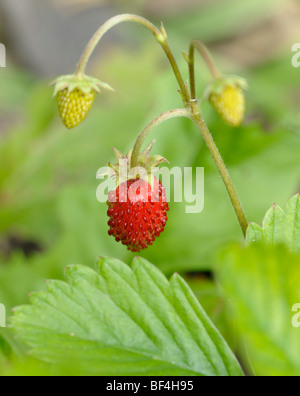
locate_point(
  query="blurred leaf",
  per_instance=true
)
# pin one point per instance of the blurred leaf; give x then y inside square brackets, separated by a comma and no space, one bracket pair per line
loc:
[279,226]
[15,86]
[9,346]
[129,321]
[221,20]
[264,100]
[40,158]
[262,283]
[30,367]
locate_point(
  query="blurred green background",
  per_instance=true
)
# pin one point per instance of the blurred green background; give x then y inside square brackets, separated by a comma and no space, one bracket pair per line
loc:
[49,215]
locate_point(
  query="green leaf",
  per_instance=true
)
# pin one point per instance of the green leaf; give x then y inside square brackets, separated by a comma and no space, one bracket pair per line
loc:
[263,285]
[129,321]
[279,227]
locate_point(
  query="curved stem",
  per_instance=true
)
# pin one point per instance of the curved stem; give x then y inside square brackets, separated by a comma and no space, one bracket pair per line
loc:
[196,44]
[189,102]
[153,124]
[199,121]
[160,36]
[196,116]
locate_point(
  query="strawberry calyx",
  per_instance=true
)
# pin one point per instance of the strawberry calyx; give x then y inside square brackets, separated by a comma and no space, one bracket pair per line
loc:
[137,207]
[124,171]
[75,95]
[84,83]
[218,85]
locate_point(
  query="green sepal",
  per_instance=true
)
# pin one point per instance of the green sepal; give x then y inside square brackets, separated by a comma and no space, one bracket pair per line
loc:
[155,161]
[218,85]
[145,161]
[84,83]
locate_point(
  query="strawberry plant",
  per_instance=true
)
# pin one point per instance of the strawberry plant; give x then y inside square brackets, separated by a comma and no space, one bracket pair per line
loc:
[131,320]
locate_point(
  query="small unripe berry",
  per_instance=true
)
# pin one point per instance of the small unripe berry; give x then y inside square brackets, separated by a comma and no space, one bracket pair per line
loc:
[74,106]
[75,97]
[230,104]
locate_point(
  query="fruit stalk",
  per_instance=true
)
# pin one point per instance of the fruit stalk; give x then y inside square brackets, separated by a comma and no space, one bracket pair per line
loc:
[160,36]
[199,121]
[196,44]
[153,124]
[196,116]
[190,102]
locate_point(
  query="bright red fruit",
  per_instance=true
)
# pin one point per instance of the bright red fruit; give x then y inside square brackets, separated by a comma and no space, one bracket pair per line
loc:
[138,213]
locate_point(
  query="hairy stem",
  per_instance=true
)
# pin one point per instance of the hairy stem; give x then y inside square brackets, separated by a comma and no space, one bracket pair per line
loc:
[153,124]
[195,116]
[196,44]
[199,121]
[160,36]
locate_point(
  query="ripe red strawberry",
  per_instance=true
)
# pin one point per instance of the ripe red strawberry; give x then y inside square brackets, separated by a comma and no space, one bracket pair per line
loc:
[138,213]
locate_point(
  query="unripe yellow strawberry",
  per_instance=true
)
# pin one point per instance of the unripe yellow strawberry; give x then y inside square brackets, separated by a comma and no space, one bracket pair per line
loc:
[227,97]
[74,106]
[75,97]
[230,104]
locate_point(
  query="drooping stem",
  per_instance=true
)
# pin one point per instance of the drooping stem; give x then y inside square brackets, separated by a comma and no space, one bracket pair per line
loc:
[199,121]
[196,44]
[192,73]
[153,124]
[192,110]
[196,116]
[160,36]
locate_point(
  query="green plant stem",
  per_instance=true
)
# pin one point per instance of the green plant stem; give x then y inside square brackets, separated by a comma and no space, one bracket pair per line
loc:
[196,44]
[160,36]
[196,116]
[153,124]
[199,121]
